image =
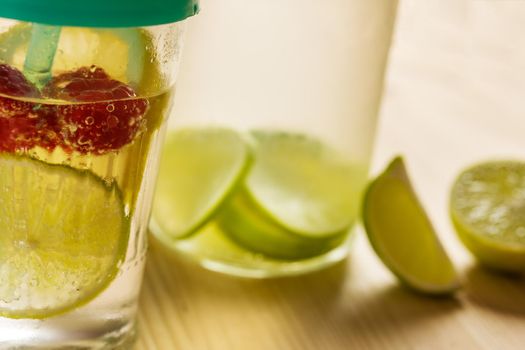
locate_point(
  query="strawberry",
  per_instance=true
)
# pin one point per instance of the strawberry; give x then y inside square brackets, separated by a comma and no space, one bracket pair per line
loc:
[106,114]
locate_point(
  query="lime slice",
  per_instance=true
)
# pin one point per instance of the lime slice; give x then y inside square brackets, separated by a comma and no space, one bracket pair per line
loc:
[63,237]
[303,185]
[121,52]
[299,200]
[402,235]
[199,169]
[250,227]
[488,210]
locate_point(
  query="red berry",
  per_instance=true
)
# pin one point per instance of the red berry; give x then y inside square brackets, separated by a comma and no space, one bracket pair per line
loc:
[111,117]
[13,83]
[23,125]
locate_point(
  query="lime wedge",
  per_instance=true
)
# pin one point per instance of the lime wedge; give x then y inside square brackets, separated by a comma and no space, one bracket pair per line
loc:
[63,237]
[199,169]
[299,199]
[487,206]
[402,235]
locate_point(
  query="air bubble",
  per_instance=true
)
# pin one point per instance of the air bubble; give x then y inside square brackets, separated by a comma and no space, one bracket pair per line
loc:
[83,141]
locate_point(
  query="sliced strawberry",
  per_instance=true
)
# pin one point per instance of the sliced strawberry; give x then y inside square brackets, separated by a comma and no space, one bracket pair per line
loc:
[108,117]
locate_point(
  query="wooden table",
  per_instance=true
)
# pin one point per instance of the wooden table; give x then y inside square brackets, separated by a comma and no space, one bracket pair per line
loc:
[454,95]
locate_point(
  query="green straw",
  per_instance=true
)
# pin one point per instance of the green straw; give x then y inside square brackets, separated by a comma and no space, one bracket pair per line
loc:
[41,53]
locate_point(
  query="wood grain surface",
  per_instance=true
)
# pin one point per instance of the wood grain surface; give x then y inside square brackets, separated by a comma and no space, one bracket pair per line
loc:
[454,95]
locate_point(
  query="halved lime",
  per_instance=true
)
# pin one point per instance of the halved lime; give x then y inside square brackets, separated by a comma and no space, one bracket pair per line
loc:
[63,237]
[299,199]
[487,206]
[199,169]
[402,235]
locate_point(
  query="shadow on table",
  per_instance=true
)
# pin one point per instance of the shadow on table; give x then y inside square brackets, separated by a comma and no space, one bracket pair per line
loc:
[332,306]
[387,312]
[333,288]
[500,292]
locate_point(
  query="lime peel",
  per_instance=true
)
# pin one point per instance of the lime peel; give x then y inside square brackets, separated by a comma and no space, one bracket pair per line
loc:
[402,235]
[254,230]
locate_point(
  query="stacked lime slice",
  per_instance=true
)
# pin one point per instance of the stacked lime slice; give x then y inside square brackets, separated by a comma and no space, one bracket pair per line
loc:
[283,195]
[64,236]
[199,170]
[299,199]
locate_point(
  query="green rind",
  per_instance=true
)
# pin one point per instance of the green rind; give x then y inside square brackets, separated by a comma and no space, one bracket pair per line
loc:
[256,231]
[122,247]
[415,285]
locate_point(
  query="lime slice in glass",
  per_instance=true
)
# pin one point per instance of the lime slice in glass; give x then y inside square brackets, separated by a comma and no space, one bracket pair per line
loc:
[402,235]
[123,53]
[63,237]
[299,199]
[487,206]
[199,169]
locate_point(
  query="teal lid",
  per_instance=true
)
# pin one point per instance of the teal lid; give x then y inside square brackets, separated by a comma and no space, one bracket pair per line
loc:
[99,13]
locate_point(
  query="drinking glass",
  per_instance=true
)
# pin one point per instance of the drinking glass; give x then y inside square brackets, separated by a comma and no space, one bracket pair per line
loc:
[268,152]
[84,101]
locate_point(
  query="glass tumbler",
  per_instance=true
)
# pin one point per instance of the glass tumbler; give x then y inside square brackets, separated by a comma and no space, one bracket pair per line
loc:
[85,94]
[268,152]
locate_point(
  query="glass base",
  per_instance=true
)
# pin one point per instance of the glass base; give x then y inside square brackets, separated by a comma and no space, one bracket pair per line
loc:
[111,335]
[213,251]
[277,269]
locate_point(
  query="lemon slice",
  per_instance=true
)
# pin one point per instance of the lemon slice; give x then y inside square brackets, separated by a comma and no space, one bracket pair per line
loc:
[487,206]
[199,169]
[402,235]
[63,237]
